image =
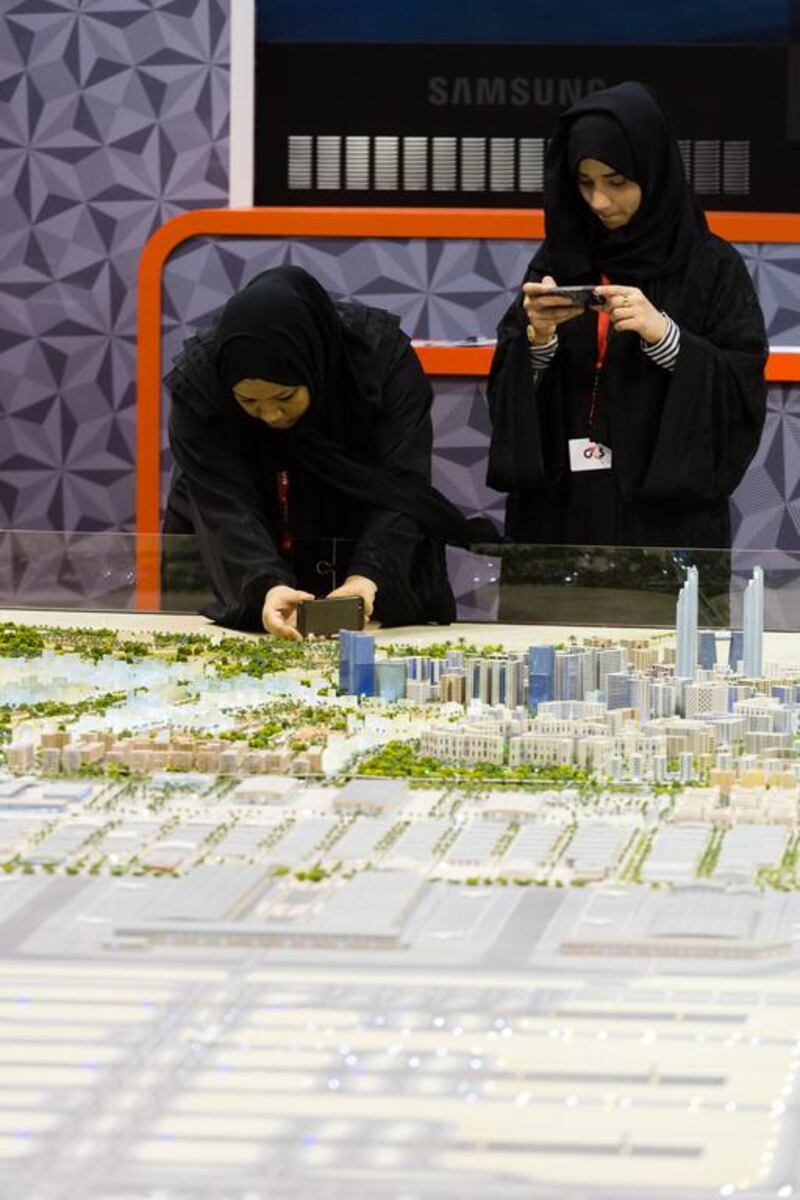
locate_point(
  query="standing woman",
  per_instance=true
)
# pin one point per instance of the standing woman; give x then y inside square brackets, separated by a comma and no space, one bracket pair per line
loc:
[633,423]
[296,421]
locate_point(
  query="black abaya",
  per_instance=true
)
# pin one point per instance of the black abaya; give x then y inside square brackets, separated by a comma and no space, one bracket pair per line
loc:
[681,440]
[358,466]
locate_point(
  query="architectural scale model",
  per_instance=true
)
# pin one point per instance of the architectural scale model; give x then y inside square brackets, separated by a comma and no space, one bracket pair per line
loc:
[367,920]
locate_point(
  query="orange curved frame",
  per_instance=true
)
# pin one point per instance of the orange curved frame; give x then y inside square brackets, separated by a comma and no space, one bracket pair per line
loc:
[783,366]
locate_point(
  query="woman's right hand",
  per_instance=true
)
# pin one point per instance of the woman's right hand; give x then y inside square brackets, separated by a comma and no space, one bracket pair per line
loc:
[544,313]
[279,614]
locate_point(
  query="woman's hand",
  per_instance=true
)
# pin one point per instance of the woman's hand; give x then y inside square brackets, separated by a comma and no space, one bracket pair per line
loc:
[545,313]
[358,585]
[631,312]
[279,614]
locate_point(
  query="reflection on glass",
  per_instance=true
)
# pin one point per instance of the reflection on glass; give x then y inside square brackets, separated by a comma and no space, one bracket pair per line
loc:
[508,584]
[608,585]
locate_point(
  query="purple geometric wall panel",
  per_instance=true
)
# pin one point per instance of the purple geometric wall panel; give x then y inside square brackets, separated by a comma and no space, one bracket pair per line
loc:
[766,505]
[113,118]
[442,289]
[775,271]
[461,439]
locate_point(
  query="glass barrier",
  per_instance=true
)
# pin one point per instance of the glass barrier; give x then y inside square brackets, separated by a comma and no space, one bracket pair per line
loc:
[73,571]
[507,584]
[636,586]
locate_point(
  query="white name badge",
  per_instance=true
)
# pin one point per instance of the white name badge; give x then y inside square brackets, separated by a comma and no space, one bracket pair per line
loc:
[586,455]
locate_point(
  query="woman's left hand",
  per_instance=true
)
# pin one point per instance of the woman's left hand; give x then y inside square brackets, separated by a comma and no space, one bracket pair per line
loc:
[358,585]
[631,312]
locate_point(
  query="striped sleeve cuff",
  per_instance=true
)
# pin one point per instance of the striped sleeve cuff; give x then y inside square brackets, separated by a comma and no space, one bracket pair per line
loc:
[665,353]
[542,356]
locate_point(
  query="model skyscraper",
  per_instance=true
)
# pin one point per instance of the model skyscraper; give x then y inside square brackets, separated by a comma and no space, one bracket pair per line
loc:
[753,625]
[686,628]
[356,663]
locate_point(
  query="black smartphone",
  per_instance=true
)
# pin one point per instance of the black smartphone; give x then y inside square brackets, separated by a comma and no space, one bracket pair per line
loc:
[583,294]
[327,617]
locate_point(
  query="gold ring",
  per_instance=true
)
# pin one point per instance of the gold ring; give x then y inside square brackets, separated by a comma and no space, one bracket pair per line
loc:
[626,299]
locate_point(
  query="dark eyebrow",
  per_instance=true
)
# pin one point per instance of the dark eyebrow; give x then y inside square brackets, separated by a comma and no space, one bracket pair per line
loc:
[605,175]
[286,395]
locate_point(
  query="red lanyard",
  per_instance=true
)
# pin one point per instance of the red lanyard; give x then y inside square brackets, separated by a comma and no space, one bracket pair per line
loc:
[282,480]
[602,347]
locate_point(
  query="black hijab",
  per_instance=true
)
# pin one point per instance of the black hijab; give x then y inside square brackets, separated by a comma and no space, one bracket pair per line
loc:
[284,328]
[625,127]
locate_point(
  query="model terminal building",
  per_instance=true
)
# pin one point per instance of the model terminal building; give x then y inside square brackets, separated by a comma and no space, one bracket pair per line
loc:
[473,924]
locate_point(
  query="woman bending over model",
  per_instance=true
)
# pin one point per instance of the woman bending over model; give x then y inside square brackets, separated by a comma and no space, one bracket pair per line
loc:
[296,421]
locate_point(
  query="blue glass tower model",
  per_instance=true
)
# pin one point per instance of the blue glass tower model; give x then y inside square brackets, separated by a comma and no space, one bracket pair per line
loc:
[541,672]
[390,679]
[356,663]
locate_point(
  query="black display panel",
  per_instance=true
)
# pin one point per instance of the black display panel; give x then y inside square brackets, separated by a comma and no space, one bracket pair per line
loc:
[466,125]
[642,23]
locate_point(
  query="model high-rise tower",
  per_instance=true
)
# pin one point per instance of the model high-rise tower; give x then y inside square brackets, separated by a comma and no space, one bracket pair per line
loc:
[356,663]
[753,626]
[686,628]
